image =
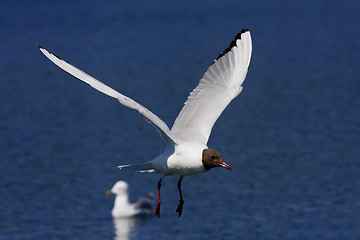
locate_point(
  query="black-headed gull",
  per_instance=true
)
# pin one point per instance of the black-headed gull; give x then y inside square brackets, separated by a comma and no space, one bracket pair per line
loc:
[123,207]
[186,150]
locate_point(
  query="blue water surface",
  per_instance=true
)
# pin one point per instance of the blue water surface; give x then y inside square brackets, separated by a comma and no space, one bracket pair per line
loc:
[292,136]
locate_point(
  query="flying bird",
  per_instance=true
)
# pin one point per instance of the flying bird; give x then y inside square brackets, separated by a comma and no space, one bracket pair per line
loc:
[186,151]
[123,207]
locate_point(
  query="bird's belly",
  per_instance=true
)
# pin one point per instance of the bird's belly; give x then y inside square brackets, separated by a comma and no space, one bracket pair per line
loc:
[182,171]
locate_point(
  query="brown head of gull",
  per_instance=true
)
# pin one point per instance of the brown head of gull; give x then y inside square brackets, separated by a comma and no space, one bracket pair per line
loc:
[212,158]
[186,151]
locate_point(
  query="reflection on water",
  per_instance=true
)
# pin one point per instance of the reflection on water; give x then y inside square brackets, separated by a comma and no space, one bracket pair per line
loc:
[125,227]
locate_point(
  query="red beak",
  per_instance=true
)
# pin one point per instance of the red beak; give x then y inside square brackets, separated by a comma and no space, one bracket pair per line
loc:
[224,165]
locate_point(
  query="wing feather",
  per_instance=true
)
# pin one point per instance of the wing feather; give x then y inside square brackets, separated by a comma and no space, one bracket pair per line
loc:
[221,83]
[160,125]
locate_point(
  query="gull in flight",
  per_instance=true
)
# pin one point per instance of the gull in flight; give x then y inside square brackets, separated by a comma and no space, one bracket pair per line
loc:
[186,151]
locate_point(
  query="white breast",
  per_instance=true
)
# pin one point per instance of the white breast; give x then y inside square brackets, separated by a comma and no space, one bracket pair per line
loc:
[186,159]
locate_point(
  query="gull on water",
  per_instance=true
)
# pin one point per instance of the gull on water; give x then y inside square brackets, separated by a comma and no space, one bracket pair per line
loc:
[123,207]
[186,152]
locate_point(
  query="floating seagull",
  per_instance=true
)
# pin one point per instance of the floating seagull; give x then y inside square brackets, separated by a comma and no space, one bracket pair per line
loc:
[186,151]
[122,206]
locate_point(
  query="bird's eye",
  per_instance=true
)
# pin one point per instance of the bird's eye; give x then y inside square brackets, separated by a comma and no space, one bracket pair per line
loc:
[212,157]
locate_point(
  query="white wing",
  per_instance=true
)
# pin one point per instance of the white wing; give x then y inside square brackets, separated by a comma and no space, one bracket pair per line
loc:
[220,84]
[162,128]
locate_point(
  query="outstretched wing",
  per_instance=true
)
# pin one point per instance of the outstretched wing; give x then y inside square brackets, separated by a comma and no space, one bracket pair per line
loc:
[218,87]
[162,128]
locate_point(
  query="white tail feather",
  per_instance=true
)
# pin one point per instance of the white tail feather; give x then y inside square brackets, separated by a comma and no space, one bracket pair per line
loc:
[142,167]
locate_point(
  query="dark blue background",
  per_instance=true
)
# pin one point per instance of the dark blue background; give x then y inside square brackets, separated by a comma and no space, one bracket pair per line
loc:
[292,137]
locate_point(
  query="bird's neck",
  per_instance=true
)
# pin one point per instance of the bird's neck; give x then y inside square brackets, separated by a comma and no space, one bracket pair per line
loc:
[121,201]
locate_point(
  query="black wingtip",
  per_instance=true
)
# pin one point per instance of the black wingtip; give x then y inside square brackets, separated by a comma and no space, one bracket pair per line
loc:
[41,47]
[238,36]
[232,44]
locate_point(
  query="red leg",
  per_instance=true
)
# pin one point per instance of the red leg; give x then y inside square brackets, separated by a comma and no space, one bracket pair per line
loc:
[157,210]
